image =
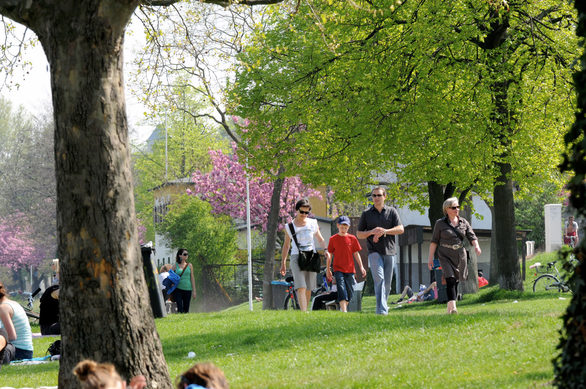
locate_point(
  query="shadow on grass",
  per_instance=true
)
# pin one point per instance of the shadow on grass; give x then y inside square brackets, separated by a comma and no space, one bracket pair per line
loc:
[29,370]
[234,333]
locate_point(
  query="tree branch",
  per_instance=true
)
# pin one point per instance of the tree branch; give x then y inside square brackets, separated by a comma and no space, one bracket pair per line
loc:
[223,3]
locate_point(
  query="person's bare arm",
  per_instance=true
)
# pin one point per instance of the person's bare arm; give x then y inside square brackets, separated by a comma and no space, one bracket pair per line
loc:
[5,316]
[193,293]
[284,253]
[359,262]
[432,248]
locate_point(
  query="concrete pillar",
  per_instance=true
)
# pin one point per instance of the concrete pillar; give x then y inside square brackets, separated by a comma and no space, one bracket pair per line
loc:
[553,227]
[530,248]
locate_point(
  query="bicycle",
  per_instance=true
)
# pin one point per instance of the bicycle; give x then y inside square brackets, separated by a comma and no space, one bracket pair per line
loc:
[291,301]
[28,308]
[551,281]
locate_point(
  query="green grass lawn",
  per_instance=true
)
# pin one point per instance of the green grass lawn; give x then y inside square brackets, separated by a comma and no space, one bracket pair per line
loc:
[499,339]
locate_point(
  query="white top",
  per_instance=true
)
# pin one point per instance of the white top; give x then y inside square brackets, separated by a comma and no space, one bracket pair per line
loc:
[162,277]
[24,336]
[304,236]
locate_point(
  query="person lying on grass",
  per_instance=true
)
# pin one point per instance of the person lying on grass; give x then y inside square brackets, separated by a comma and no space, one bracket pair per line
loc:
[424,294]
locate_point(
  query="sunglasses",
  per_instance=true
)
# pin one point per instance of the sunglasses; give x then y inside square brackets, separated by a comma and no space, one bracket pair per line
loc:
[304,212]
[454,208]
[378,195]
[185,254]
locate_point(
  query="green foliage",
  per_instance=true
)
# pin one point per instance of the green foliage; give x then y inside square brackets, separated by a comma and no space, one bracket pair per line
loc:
[350,97]
[568,365]
[530,213]
[210,239]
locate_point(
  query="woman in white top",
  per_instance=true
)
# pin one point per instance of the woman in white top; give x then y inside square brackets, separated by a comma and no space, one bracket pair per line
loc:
[305,230]
[16,339]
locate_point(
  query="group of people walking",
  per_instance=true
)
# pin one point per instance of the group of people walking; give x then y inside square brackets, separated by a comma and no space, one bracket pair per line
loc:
[378,225]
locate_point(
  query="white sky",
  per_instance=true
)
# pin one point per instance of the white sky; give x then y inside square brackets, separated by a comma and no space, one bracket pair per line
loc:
[34,92]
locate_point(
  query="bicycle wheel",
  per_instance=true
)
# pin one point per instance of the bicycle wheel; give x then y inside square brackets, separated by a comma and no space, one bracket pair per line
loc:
[290,303]
[547,282]
[32,316]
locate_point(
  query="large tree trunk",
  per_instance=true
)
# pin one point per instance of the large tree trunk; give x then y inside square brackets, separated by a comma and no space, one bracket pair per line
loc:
[507,269]
[436,200]
[438,193]
[105,309]
[272,227]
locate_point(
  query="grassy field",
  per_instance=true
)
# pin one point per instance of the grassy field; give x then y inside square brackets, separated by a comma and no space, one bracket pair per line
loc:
[499,339]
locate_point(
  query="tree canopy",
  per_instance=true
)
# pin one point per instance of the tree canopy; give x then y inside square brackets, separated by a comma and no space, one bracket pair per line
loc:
[475,95]
[406,88]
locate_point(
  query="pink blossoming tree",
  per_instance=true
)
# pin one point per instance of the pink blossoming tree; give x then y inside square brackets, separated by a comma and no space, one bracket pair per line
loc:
[272,203]
[17,248]
[224,187]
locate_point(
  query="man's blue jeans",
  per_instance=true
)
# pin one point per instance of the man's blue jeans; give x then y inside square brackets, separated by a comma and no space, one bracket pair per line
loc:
[381,268]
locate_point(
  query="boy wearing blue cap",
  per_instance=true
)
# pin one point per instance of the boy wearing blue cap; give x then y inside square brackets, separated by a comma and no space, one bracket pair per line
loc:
[346,249]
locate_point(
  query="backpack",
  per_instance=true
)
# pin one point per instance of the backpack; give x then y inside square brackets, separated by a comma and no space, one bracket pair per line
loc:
[171,282]
[54,348]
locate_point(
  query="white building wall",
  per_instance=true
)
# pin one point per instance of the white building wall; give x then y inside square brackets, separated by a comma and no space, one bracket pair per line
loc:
[553,227]
[163,253]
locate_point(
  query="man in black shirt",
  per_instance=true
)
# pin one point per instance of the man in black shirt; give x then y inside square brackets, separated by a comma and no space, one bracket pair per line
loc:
[378,225]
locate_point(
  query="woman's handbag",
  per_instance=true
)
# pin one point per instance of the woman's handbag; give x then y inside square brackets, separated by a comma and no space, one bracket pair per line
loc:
[308,260]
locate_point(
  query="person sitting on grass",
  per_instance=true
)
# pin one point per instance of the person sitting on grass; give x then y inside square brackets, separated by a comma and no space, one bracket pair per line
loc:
[17,342]
[346,250]
[319,301]
[203,375]
[93,375]
[424,294]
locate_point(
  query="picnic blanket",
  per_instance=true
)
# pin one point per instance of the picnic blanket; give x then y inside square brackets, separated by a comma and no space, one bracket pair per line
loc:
[32,361]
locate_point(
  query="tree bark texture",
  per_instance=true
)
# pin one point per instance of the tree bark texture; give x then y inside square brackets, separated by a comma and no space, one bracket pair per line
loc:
[272,227]
[436,201]
[508,270]
[105,308]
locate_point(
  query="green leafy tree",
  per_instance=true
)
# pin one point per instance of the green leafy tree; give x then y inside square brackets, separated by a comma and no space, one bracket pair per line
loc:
[190,223]
[210,239]
[458,94]
[530,213]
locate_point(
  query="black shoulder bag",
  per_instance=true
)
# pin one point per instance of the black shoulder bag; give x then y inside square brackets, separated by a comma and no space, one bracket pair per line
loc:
[308,260]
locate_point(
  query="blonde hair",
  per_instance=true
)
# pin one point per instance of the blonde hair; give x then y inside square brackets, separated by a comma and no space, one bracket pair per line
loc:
[166,268]
[204,374]
[93,375]
[448,203]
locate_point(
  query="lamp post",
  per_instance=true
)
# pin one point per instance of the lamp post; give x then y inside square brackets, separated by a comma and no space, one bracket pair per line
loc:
[248,239]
